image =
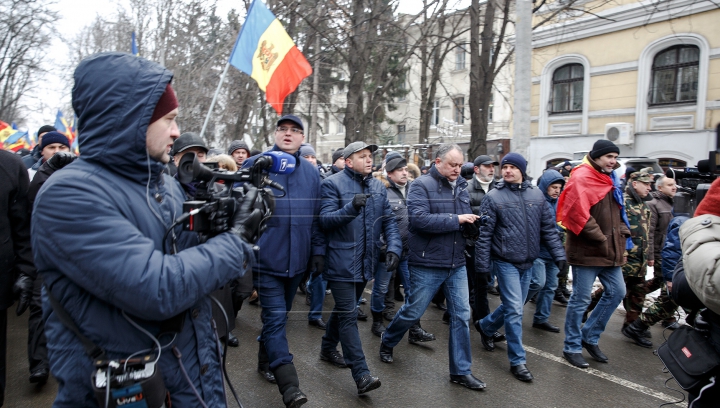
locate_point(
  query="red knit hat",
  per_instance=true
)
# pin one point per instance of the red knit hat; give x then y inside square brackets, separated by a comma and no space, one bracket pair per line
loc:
[167,103]
[711,203]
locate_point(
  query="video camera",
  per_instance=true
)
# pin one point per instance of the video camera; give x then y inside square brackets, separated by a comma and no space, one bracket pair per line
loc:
[212,206]
[694,182]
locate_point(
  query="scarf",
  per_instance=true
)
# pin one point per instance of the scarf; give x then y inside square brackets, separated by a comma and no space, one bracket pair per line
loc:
[585,188]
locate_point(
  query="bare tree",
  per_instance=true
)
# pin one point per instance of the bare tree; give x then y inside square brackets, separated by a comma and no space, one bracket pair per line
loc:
[24,34]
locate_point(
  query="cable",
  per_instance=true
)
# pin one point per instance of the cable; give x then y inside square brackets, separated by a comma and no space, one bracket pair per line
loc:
[178,354]
[712,382]
[147,333]
[224,356]
[682,394]
[148,351]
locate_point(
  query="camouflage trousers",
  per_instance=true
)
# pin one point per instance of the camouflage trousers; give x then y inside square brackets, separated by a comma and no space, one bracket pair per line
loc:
[636,289]
[662,309]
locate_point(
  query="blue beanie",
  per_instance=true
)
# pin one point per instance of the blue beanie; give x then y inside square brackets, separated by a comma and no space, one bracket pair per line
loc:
[516,160]
[54,137]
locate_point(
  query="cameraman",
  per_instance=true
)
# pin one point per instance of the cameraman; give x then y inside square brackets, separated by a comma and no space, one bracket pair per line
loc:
[700,239]
[97,237]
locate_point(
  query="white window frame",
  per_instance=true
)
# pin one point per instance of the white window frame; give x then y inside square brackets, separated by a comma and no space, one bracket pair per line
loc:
[546,81]
[435,117]
[645,76]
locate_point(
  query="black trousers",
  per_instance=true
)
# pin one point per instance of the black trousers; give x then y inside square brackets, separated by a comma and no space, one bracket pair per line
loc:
[3,353]
[478,284]
[37,343]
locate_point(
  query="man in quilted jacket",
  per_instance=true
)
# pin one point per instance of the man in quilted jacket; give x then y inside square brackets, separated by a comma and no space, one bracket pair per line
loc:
[517,219]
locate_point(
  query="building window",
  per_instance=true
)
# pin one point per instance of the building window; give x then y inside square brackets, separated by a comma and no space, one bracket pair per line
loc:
[460,53]
[402,88]
[435,113]
[567,89]
[459,110]
[340,126]
[675,75]
[490,107]
[401,134]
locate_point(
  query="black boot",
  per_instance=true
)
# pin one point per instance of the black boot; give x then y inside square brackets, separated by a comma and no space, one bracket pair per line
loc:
[377,327]
[416,334]
[635,331]
[560,298]
[264,365]
[289,386]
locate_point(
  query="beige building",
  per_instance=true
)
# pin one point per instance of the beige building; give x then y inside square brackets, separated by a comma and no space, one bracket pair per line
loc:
[644,74]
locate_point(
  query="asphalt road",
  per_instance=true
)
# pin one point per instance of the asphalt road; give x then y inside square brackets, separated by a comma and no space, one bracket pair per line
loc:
[419,376]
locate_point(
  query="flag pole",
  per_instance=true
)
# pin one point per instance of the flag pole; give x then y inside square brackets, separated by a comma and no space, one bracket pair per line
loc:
[212,104]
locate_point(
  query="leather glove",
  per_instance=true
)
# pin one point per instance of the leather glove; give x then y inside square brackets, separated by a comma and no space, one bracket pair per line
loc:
[247,218]
[470,231]
[23,289]
[360,200]
[561,265]
[391,261]
[61,159]
[317,262]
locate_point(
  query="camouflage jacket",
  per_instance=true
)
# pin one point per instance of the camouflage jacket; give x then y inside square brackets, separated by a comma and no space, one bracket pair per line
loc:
[639,217]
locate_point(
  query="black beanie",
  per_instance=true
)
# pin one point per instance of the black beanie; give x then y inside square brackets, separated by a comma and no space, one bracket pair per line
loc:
[45,129]
[603,147]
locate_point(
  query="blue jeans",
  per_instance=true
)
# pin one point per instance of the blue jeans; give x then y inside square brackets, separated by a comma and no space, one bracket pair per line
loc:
[514,284]
[425,283]
[583,279]
[276,295]
[544,282]
[403,273]
[342,326]
[380,288]
[316,288]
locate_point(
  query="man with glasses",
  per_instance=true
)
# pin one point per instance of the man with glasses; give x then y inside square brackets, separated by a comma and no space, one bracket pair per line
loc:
[292,240]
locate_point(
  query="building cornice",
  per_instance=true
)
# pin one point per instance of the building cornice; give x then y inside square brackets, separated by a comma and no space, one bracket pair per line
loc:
[617,19]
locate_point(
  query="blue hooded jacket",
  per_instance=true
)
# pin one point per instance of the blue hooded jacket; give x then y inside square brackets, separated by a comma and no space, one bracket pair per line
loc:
[550,177]
[97,234]
[672,250]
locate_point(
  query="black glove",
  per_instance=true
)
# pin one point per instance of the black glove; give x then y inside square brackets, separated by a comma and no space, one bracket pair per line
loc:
[317,263]
[360,200]
[23,289]
[561,265]
[247,218]
[60,160]
[391,261]
[470,231]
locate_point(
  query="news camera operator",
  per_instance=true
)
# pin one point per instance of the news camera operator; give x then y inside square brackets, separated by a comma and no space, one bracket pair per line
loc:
[700,240]
[97,238]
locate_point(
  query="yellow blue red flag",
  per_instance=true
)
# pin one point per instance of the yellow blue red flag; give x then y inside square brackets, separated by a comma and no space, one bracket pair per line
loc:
[265,51]
[62,126]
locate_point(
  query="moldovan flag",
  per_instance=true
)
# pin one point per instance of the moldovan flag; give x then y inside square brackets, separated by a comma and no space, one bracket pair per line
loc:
[5,131]
[266,52]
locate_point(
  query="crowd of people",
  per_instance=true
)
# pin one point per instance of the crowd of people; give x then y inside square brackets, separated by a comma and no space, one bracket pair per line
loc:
[136,282]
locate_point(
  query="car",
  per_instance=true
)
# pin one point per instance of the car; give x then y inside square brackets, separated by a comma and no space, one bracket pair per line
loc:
[638,163]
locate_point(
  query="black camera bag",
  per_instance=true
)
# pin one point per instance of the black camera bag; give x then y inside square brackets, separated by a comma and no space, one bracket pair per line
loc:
[689,357]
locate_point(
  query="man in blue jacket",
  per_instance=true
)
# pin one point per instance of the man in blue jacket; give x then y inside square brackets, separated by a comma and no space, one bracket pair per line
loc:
[517,219]
[355,211]
[544,280]
[439,209]
[291,241]
[97,238]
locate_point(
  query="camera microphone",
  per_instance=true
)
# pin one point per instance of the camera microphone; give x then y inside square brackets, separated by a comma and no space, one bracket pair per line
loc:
[276,162]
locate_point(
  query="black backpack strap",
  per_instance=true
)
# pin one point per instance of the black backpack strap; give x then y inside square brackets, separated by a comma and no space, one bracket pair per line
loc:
[92,349]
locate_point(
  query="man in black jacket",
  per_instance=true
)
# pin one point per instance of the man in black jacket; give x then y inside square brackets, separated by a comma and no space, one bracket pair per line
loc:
[517,219]
[480,283]
[15,251]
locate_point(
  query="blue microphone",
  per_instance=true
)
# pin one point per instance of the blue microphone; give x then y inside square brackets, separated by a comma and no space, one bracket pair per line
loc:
[276,161]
